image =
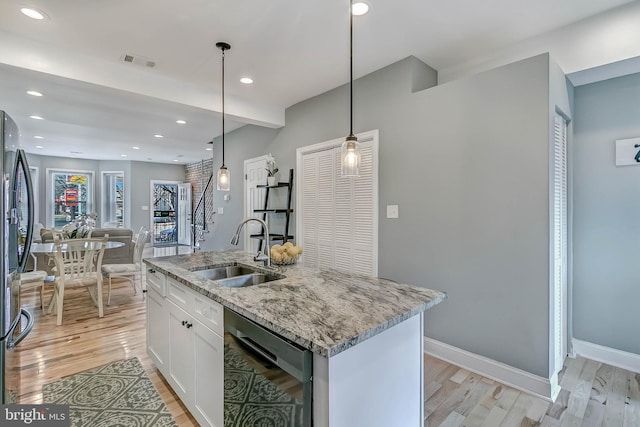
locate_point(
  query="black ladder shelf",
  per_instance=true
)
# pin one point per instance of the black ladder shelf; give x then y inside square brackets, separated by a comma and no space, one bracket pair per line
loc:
[285,236]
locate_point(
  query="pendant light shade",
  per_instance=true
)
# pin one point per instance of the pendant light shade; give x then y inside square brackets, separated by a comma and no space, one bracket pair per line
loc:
[350,153]
[224,179]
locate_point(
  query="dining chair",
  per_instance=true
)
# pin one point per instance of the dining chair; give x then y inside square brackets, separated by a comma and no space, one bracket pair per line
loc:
[130,272]
[78,263]
[34,279]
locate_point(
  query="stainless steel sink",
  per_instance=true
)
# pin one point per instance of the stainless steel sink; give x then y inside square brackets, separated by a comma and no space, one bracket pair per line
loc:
[224,272]
[236,276]
[246,280]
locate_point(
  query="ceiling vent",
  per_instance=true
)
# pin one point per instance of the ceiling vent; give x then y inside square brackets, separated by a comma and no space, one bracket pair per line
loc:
[138,60]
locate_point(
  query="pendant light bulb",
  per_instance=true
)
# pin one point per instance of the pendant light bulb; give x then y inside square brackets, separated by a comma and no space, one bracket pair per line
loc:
[350,155]
[350,152]
[224,179]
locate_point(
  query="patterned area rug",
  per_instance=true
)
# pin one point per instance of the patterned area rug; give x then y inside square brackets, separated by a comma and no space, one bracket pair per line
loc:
[118,394]
[250,400]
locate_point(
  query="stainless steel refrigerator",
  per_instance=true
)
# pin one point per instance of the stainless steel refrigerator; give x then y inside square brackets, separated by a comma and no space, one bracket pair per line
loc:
[16,218]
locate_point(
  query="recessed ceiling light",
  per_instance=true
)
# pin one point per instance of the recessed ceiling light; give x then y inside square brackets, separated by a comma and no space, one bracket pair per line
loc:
[175,160]
[34,93]
[36,117]
[39,146]
[157,135]
[136,148]
[246,80]
[181,122]
[359,8]
[38,137]
[209,149]
[123,155]
[33,13]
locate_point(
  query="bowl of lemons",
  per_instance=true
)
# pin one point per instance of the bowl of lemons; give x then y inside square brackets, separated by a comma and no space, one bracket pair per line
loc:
[286,254]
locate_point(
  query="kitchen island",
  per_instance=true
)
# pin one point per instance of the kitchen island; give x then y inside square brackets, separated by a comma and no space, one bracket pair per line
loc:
[365,333]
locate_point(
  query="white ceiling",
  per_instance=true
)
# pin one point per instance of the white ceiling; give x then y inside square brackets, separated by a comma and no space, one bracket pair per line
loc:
[97,105]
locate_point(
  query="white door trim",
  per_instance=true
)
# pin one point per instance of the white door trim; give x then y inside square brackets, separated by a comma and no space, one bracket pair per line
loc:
[246,192]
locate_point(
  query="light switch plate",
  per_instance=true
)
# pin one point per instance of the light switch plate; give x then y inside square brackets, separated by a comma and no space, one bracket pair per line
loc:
[220,210]
[392,211]
[145,208]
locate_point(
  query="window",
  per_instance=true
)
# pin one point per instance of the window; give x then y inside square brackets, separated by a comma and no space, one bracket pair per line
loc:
[69,194]
[112,199]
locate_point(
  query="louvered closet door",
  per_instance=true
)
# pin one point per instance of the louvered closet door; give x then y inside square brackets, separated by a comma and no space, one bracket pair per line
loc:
[309,192]
[560,241]
[338,214]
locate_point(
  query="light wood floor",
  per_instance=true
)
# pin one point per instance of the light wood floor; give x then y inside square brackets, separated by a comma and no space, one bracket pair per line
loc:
[592,394]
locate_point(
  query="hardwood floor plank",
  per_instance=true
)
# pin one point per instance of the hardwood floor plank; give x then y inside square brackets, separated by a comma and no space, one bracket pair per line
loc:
[559,407]
[453,400]
[570,377]
[515,416]
[632,408]
[616,397]
[481,411]
[453,420]
[581,393]
[594,414]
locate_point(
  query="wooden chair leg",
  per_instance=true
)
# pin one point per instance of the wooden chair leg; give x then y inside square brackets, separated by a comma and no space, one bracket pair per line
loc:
[99,291]
[109,294]
[59,303]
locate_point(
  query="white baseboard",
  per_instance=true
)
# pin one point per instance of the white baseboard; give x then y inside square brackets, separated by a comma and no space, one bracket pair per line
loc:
[545,388]
[608,355]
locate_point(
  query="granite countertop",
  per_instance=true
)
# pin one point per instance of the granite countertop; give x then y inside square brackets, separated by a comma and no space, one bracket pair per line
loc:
[323,310]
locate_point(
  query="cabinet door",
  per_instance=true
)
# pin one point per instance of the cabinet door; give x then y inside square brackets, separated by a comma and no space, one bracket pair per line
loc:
[208,395]
[157,326]
[181,374]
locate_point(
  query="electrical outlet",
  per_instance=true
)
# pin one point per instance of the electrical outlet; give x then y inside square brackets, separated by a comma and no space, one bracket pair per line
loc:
[392,211]
[220,211]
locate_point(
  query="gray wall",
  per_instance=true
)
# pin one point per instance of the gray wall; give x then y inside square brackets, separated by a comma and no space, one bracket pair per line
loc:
[136,180]
[468,164]
[606,218]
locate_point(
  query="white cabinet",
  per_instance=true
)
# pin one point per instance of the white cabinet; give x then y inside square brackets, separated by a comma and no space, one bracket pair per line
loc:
[186,343]
[157,327]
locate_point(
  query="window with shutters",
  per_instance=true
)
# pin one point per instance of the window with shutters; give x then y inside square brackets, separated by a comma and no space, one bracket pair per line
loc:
[560,250]
[337,223]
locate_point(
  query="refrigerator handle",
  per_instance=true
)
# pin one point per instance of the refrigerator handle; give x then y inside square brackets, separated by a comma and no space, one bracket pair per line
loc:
[30,320]
[21,162]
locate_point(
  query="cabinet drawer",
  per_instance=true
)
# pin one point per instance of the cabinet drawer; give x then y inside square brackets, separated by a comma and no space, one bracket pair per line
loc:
[209,313]
[203,309]
[180,295]
[156,280]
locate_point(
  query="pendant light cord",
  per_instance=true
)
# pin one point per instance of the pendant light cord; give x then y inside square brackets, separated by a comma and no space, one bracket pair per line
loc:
[223,107]
[351,68]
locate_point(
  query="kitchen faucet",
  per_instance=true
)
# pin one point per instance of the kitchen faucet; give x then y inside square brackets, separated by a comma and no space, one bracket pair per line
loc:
[266,257]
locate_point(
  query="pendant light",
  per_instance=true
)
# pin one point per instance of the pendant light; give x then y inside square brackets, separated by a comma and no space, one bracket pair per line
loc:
[350,152]
[224,179]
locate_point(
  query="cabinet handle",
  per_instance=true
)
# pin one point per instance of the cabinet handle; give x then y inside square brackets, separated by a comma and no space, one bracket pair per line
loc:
[151,270]
[189,325]
[184,322]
